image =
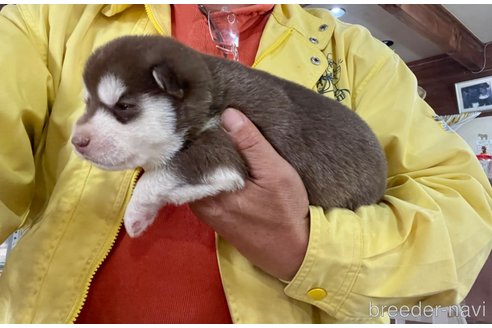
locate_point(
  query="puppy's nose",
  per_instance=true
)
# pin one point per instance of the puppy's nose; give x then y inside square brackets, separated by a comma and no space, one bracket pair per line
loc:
[80,141]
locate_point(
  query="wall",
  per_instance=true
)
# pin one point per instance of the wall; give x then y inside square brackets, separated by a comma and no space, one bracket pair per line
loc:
[437,75]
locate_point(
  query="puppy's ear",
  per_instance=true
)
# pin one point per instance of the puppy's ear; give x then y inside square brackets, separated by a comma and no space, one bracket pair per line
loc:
[166,79]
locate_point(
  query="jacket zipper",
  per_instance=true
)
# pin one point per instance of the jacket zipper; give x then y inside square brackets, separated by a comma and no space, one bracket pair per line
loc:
[114,235]
[153,20]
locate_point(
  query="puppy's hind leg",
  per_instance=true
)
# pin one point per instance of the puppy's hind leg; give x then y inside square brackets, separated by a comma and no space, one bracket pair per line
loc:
[222,179]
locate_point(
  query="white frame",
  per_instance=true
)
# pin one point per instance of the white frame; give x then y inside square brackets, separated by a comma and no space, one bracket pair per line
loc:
[459,95]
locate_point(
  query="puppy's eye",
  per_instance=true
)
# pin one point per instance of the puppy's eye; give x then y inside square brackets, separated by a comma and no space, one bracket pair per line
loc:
[124,106]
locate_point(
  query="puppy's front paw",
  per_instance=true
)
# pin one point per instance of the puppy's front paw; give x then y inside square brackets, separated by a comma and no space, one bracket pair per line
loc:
[136,223]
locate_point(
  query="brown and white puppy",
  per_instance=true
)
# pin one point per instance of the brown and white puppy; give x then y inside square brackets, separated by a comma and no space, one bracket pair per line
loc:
[155,103]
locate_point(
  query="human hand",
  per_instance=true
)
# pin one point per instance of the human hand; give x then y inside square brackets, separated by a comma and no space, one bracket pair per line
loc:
[267,221]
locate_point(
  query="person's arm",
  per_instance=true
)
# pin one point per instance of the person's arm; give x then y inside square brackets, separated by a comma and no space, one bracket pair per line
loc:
[429,237]
[24,88]
[426,241]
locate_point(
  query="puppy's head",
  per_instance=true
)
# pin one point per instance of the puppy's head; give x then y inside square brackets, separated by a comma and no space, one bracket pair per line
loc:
[142,95]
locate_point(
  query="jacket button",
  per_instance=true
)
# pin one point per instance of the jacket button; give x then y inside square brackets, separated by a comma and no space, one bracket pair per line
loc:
[323,27]
[315,60]
[313,40]
[317,294]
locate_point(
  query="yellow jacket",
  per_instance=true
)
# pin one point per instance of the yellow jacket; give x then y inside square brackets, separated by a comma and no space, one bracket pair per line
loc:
[426,241]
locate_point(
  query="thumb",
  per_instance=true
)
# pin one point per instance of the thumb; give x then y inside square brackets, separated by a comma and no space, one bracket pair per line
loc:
[255,149]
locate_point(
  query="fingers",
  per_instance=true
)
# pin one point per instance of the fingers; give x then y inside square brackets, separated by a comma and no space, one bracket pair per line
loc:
[255,149]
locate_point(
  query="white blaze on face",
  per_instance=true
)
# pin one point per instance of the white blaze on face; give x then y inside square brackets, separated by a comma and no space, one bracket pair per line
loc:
[147,141]
[154,132]
[110,89]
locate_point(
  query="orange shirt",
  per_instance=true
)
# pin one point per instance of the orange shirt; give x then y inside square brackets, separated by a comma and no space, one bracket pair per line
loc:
[170,274]
[190,26]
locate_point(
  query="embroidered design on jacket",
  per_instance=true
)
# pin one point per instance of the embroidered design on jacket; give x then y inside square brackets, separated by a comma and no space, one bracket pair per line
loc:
[328,82]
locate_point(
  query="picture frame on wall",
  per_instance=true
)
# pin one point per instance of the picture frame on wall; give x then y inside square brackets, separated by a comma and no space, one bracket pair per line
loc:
[474,95]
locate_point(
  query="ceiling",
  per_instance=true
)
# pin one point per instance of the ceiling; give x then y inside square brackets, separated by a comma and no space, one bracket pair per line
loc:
[407,43]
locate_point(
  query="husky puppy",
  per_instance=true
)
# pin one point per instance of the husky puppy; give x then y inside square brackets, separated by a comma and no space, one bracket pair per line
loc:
[154,103]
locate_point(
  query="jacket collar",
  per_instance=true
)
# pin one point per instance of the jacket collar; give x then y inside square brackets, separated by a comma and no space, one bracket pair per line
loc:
[309,24]
[306,23]
[302,36]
